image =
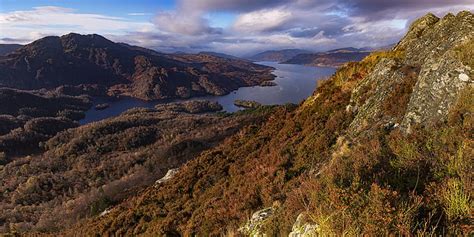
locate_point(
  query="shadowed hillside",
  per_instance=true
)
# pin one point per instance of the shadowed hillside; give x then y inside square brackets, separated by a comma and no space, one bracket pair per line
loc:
[88,169]
[277,55]
[28,118]
[8,48]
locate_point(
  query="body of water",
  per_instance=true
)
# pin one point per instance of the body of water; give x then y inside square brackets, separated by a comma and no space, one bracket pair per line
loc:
[294,84]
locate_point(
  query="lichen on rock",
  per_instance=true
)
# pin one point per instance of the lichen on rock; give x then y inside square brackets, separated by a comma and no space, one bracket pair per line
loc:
[429,76]
[303,227]
[254,227]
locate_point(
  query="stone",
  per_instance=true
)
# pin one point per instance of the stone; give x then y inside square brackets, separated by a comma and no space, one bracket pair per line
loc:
[463,77]
[429,67]
[254,226]
[105,212]
[303,228]
[168,176]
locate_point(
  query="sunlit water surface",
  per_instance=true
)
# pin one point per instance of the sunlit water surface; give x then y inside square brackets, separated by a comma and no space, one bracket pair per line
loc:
[294,84]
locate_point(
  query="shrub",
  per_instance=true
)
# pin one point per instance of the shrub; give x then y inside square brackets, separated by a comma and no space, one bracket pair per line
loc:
[456,201]
[100,204]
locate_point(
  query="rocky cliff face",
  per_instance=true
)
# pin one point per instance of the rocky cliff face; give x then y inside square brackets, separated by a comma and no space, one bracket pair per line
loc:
[443,70]
[426,70]
[75,59]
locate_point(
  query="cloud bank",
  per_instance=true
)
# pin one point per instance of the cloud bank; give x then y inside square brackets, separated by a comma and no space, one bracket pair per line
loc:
[252,25]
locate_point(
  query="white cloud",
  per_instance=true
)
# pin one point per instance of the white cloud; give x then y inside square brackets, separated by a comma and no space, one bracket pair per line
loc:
[29,25]
[138,14]
[184,23]
[262,20]
[251,25]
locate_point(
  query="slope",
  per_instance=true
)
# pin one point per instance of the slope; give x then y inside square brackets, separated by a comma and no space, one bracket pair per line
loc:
[383,146]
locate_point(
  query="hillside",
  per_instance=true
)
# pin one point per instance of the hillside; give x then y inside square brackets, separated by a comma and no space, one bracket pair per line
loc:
[384,146]
[8,48]
[86,169]
[221,55]
[332,58]
[348,50]
[277,55]
[75,59]
[28,118]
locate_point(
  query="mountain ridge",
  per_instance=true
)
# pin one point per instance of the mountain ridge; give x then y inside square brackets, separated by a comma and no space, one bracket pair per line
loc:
[277,55]
[334,58]
[75,59]
[330,58]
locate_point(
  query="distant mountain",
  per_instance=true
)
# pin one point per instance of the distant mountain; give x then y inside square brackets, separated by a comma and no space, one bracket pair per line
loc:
[75,59]
[332,58]
[386,47]
[222,55]
[278,55]
[8,48]
[348,50]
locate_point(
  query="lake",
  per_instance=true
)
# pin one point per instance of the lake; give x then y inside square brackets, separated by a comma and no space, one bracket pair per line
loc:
[294,84]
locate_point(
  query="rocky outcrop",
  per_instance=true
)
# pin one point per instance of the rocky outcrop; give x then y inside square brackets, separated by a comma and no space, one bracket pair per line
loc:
[170,174]
[303,227]
[420,79]
[443,72]
[254,227]
[416,29]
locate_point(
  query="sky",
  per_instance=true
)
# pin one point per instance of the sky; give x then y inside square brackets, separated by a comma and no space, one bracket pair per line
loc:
[237,27]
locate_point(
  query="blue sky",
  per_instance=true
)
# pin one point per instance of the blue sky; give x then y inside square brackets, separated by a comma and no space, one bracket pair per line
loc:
[112,7]
[237,27]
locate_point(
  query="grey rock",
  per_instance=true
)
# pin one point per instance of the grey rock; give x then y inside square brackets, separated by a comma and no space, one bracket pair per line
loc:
[254,226]
[463,77]
[430,48]
[170,174]
[303,227]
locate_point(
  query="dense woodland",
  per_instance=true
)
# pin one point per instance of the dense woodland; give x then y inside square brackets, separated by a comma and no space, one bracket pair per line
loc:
[85,170]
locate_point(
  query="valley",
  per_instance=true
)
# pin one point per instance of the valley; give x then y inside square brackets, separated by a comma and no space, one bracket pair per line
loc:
[293,84]
[156,128]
